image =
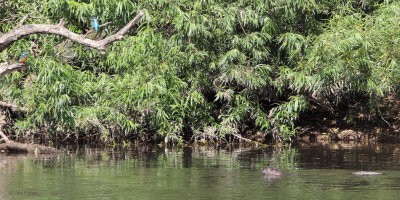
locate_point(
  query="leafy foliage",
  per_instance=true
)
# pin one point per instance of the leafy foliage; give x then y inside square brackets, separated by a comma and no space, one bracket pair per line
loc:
[200,69]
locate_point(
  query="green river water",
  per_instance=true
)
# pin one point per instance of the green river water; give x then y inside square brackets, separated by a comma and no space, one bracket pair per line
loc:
[315,171]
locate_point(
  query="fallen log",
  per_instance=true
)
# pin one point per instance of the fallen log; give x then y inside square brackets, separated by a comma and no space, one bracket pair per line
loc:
[28,148]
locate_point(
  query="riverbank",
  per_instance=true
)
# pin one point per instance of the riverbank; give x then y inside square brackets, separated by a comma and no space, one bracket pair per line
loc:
[355,124]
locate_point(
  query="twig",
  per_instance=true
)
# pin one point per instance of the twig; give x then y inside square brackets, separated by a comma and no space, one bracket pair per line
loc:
[61,23]
[91,30]
[240,23]
[23,20]
[29,16]
[12,17]
[105,24]
[380,114]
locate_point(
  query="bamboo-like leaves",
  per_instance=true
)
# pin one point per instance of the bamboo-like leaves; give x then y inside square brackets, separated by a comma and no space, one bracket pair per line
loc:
[204,68]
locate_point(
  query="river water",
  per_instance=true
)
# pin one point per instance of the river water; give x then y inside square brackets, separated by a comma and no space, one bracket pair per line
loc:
[314,171]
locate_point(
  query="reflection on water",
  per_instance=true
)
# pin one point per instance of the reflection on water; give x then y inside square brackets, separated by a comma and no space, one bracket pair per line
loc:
[313,171]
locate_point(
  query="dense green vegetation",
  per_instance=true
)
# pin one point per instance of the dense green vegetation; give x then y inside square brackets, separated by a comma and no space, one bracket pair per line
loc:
[204,69]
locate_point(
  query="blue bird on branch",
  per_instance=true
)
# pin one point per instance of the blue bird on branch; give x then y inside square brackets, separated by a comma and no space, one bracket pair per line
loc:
[95,23]
[23,57]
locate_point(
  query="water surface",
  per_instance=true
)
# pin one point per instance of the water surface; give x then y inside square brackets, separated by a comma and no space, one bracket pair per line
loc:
[316,171]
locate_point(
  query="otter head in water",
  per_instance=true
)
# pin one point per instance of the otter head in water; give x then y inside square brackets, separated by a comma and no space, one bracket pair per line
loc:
[272,171]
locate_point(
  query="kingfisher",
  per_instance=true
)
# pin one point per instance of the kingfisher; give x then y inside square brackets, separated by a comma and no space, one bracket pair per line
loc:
[23,58]
[95,23]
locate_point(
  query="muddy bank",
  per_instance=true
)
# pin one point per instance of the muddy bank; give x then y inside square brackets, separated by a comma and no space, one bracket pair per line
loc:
[359,127]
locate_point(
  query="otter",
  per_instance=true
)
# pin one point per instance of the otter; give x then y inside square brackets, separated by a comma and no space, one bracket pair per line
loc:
[366,173]
[272,171]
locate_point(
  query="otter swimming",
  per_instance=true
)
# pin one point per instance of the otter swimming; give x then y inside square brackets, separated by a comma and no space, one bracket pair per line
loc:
[272,171]
[366,173]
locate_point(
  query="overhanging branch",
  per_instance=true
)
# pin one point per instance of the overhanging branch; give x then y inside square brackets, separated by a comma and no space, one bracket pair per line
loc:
[20,31]
[6,68]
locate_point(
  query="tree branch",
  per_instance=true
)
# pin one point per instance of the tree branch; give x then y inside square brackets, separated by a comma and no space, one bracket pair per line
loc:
[126,28]
[13,107]
[17,33]
[6,68]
